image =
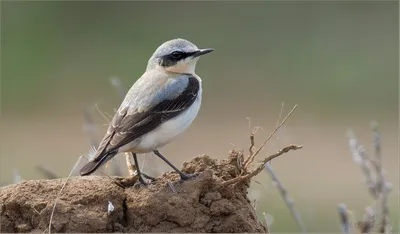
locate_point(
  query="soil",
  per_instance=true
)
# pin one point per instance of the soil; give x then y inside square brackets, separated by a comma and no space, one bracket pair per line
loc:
[196,205]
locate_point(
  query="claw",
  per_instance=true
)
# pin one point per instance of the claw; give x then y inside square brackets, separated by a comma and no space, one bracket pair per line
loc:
[149,177]
[141,182]
[188,176]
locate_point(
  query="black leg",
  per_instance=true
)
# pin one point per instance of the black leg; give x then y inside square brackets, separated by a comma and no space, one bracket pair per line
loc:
[181,174]
[139,173]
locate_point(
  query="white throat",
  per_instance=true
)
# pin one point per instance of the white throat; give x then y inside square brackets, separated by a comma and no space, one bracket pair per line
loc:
[187,65]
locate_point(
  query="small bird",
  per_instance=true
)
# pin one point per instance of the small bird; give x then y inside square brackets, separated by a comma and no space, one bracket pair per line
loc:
[159,106]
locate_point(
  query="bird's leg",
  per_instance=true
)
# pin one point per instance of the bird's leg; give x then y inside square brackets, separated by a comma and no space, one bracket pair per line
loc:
[139,173]
[181,174]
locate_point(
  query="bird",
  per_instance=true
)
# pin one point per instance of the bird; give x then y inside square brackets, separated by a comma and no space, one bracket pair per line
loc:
[158,107]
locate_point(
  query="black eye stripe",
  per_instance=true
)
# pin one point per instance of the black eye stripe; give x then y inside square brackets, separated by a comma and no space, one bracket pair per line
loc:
[171,59]
[181,55]
[177,54]
[188,54]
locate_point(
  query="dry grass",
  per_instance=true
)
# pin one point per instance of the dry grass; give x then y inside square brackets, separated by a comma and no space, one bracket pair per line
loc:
[376,215]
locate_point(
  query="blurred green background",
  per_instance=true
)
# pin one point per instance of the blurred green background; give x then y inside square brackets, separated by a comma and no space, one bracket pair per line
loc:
[338,60]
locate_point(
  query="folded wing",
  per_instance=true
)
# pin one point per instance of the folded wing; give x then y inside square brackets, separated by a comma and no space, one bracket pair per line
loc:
[128,126]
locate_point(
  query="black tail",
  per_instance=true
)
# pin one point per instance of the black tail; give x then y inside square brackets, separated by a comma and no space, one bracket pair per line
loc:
[92,166]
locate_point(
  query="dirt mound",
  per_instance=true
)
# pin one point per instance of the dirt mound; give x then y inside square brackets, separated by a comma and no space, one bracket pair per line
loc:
[201,204]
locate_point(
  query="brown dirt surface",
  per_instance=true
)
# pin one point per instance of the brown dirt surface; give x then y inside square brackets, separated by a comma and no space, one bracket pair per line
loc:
[197,205]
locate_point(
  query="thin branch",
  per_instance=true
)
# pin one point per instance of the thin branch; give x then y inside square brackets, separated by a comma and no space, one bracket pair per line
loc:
[344,218]
[361,158]
[251,137]
[267,222]
[377,184]
[381,184]
[103,114]
[288,201]
[384,211]
[382,190]
[251,143]
[376,141]
[260,166]
[280,115]
[250,159]
[368,220]
[59,193]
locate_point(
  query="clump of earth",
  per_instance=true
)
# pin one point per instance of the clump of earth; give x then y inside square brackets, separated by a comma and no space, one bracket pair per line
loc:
[200,204]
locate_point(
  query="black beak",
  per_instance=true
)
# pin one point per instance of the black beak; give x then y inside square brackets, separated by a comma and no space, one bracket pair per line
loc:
[202,51]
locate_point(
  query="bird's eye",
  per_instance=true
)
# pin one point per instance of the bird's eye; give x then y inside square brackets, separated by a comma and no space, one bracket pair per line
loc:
[176,54]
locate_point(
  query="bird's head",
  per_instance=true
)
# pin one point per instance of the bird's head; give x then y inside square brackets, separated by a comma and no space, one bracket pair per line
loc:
[177,55]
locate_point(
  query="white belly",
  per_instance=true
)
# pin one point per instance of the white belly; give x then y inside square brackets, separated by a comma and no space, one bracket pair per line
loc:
[170,129]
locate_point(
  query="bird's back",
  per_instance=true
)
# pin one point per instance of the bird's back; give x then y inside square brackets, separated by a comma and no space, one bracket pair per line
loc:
[152,88]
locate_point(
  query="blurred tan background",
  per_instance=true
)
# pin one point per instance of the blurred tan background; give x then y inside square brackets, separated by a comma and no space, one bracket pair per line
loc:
[337,60]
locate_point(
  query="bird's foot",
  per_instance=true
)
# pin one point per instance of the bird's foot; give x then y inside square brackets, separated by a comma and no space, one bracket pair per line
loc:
[141,182]
[149,177]
[188,176]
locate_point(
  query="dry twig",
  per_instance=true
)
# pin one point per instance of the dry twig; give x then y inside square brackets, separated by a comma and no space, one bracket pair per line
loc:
[367,224]
[251,157]
[376,140]
[108,118]
[280,114]
[288,201]
[267,222]
[344,218]
[361,158]
[260,166]
[375,180]
[252,139]
[381,184]
[59,193]
[251,143]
